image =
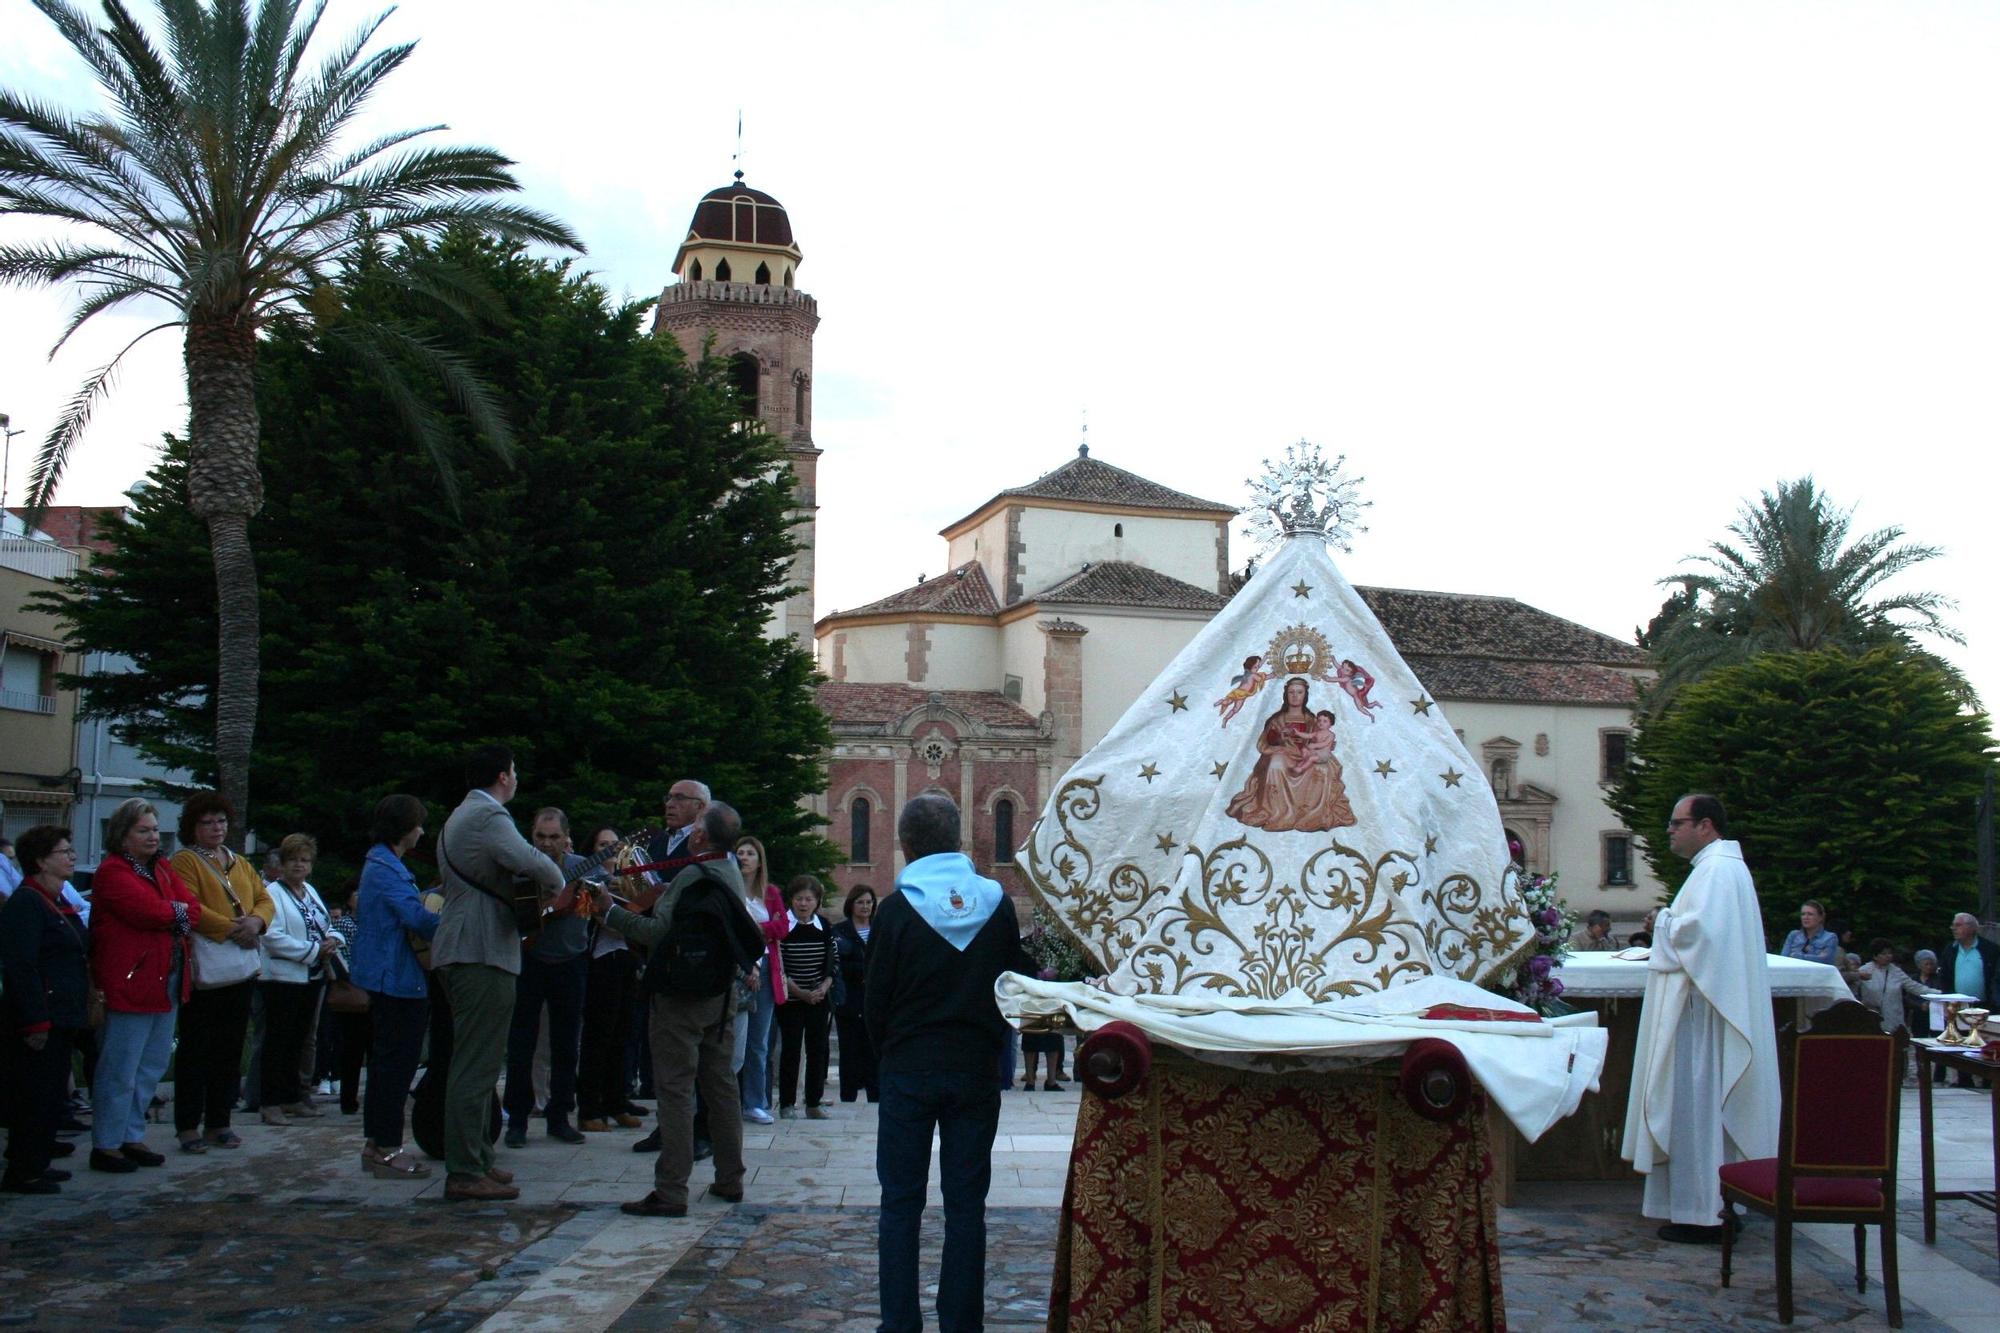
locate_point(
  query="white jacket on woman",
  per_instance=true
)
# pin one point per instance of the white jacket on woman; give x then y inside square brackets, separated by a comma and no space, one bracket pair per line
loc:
[287,945]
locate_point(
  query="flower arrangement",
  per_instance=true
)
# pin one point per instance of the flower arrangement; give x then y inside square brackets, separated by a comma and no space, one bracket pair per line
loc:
[1534,983]
[1056,956]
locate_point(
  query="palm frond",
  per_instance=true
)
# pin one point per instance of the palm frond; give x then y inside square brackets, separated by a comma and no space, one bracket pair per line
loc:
[104,298]
[419,418]
[53,457]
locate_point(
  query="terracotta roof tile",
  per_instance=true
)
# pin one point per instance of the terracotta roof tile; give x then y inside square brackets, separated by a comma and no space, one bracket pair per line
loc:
[859,704]
[1467,625]
[959,592]
[1516,681]
[1117,583]
[1089,481]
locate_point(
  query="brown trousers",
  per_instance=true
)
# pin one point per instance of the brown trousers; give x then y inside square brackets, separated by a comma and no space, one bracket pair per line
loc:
[695,1039]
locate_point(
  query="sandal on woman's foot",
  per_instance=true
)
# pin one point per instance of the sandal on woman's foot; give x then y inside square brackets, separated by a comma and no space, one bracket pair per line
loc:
[1053,1086]
[397,1165]
[223,1138]
[193,1143]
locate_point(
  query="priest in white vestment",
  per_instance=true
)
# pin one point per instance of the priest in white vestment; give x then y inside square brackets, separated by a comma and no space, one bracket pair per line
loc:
[1705,1073]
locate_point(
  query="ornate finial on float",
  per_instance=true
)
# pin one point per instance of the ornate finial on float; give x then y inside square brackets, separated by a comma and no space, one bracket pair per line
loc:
[1301,492]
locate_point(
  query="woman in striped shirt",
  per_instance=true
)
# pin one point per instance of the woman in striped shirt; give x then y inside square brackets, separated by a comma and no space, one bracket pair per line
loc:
[807,953]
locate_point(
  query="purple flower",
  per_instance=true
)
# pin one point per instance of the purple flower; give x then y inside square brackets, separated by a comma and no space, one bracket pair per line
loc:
[1555,986]
[1538,966]
[1548,917]
[1047,974]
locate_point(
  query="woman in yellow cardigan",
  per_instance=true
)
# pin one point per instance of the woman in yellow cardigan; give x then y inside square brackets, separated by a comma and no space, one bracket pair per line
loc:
[236,911]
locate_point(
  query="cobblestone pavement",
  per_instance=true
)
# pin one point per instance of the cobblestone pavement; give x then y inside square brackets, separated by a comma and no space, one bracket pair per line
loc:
[287,1231]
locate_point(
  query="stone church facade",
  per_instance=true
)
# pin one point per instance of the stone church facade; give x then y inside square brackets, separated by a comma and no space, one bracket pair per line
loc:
[1065,596]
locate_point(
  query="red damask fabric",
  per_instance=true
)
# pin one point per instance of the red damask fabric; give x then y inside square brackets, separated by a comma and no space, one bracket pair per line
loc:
[1212,1199]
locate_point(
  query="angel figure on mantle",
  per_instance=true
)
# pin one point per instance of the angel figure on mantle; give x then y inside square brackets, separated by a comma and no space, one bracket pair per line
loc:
[1242,687]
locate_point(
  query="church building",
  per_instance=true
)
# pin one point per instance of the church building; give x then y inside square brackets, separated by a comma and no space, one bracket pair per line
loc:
[1065,596]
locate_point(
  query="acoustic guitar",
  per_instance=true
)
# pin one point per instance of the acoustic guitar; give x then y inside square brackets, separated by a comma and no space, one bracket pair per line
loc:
[524,897]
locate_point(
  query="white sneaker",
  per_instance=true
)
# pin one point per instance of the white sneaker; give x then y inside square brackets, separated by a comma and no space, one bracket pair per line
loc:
[756,1116]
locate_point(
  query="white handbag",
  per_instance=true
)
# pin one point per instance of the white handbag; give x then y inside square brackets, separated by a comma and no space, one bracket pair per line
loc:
[220,963]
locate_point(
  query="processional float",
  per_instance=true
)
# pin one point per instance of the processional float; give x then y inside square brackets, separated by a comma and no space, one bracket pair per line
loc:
[1294,883]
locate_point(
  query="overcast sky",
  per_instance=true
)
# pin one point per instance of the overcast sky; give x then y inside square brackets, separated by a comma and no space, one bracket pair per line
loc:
[1567,282]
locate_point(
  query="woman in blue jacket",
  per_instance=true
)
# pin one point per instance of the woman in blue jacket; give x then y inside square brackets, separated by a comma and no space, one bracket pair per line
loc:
[385,965]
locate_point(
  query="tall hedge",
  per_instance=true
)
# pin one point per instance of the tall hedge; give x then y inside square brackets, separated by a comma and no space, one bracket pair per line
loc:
[1848,778]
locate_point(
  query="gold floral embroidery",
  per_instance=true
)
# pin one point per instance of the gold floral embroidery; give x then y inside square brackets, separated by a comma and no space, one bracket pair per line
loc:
[1353,922]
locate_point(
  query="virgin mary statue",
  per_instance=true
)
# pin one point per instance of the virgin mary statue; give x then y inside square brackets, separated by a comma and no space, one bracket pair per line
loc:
[1296,784]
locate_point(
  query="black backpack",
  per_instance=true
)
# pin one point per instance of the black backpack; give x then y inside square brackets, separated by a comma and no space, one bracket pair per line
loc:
[701,954]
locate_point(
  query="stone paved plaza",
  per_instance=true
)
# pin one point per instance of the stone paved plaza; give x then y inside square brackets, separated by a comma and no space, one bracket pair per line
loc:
[287,1232]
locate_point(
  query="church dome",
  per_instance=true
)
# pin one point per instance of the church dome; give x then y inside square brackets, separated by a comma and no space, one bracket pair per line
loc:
[739,235]
[739,215]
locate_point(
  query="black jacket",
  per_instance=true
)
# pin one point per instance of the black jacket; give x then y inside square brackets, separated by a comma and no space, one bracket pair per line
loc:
[1989,954]
[930,1007]
[46,962]
[854,952]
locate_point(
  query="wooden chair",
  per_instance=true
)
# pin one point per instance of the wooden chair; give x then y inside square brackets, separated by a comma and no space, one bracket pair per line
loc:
[1836,1162]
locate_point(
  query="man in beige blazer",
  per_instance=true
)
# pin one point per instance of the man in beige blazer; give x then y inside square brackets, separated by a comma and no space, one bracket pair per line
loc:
[477,955]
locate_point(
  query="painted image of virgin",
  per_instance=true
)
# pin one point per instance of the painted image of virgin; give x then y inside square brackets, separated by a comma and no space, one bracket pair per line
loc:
[1296,784]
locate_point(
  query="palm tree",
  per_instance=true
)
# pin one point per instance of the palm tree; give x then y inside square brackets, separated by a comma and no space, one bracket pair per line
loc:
[1793,582]
[218,183]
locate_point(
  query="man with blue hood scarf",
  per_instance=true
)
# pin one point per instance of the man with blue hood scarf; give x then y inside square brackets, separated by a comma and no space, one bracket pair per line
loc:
[940,942]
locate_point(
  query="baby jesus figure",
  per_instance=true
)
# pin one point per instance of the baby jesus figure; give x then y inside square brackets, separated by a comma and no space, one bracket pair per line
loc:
[1314,744]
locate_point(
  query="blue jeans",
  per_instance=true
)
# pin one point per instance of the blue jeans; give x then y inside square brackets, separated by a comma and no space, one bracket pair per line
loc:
[132,1055]
[753,1076]
[964,1109]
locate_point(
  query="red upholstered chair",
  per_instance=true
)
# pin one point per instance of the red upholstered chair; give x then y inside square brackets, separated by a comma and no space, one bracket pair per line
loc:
[1836,1161]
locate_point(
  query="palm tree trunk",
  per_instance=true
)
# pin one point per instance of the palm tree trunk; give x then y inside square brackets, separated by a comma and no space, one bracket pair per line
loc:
[225,490]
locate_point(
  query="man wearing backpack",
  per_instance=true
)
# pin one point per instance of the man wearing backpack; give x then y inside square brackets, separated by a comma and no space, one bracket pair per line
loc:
[700,937]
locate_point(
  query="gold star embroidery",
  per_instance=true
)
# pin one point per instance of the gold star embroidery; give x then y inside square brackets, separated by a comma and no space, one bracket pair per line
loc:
[1385,768]
[1219,769]
[1178,703]
[1149,772]
[1167,843]
[1422,704]
[1430,844]
[1301,588]
[1451,777]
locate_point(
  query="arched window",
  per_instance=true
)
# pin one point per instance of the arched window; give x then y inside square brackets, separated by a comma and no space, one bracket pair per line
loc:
[764,274]
[694,271]
[788,275]
[857,831]
[799,400]
[722,270]
[1003,830]
[1118,529]
[743,373]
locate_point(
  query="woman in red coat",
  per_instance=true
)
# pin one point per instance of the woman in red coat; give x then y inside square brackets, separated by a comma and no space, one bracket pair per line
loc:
[141,958]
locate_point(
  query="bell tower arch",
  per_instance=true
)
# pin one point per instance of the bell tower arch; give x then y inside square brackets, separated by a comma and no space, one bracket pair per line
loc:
[735,279]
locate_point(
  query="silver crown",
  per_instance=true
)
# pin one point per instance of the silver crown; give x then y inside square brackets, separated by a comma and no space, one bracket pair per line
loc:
[1301,492]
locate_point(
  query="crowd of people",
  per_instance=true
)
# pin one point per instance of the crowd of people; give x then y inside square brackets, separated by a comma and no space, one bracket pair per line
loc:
[674,968]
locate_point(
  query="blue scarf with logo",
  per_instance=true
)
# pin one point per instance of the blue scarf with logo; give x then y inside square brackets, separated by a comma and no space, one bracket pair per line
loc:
[951,895]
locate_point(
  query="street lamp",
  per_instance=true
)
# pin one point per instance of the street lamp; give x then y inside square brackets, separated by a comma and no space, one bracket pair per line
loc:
[6,458]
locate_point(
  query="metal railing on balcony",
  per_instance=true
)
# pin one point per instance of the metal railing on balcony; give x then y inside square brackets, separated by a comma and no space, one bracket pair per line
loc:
[27,701]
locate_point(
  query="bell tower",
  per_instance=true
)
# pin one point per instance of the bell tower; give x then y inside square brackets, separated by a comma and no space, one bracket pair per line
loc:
[736,280]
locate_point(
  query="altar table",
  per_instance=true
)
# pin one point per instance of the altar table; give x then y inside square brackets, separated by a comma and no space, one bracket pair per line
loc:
[1585,1146]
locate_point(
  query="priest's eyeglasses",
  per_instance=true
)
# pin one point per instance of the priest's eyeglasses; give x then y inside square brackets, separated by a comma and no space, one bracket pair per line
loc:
[1676,823]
